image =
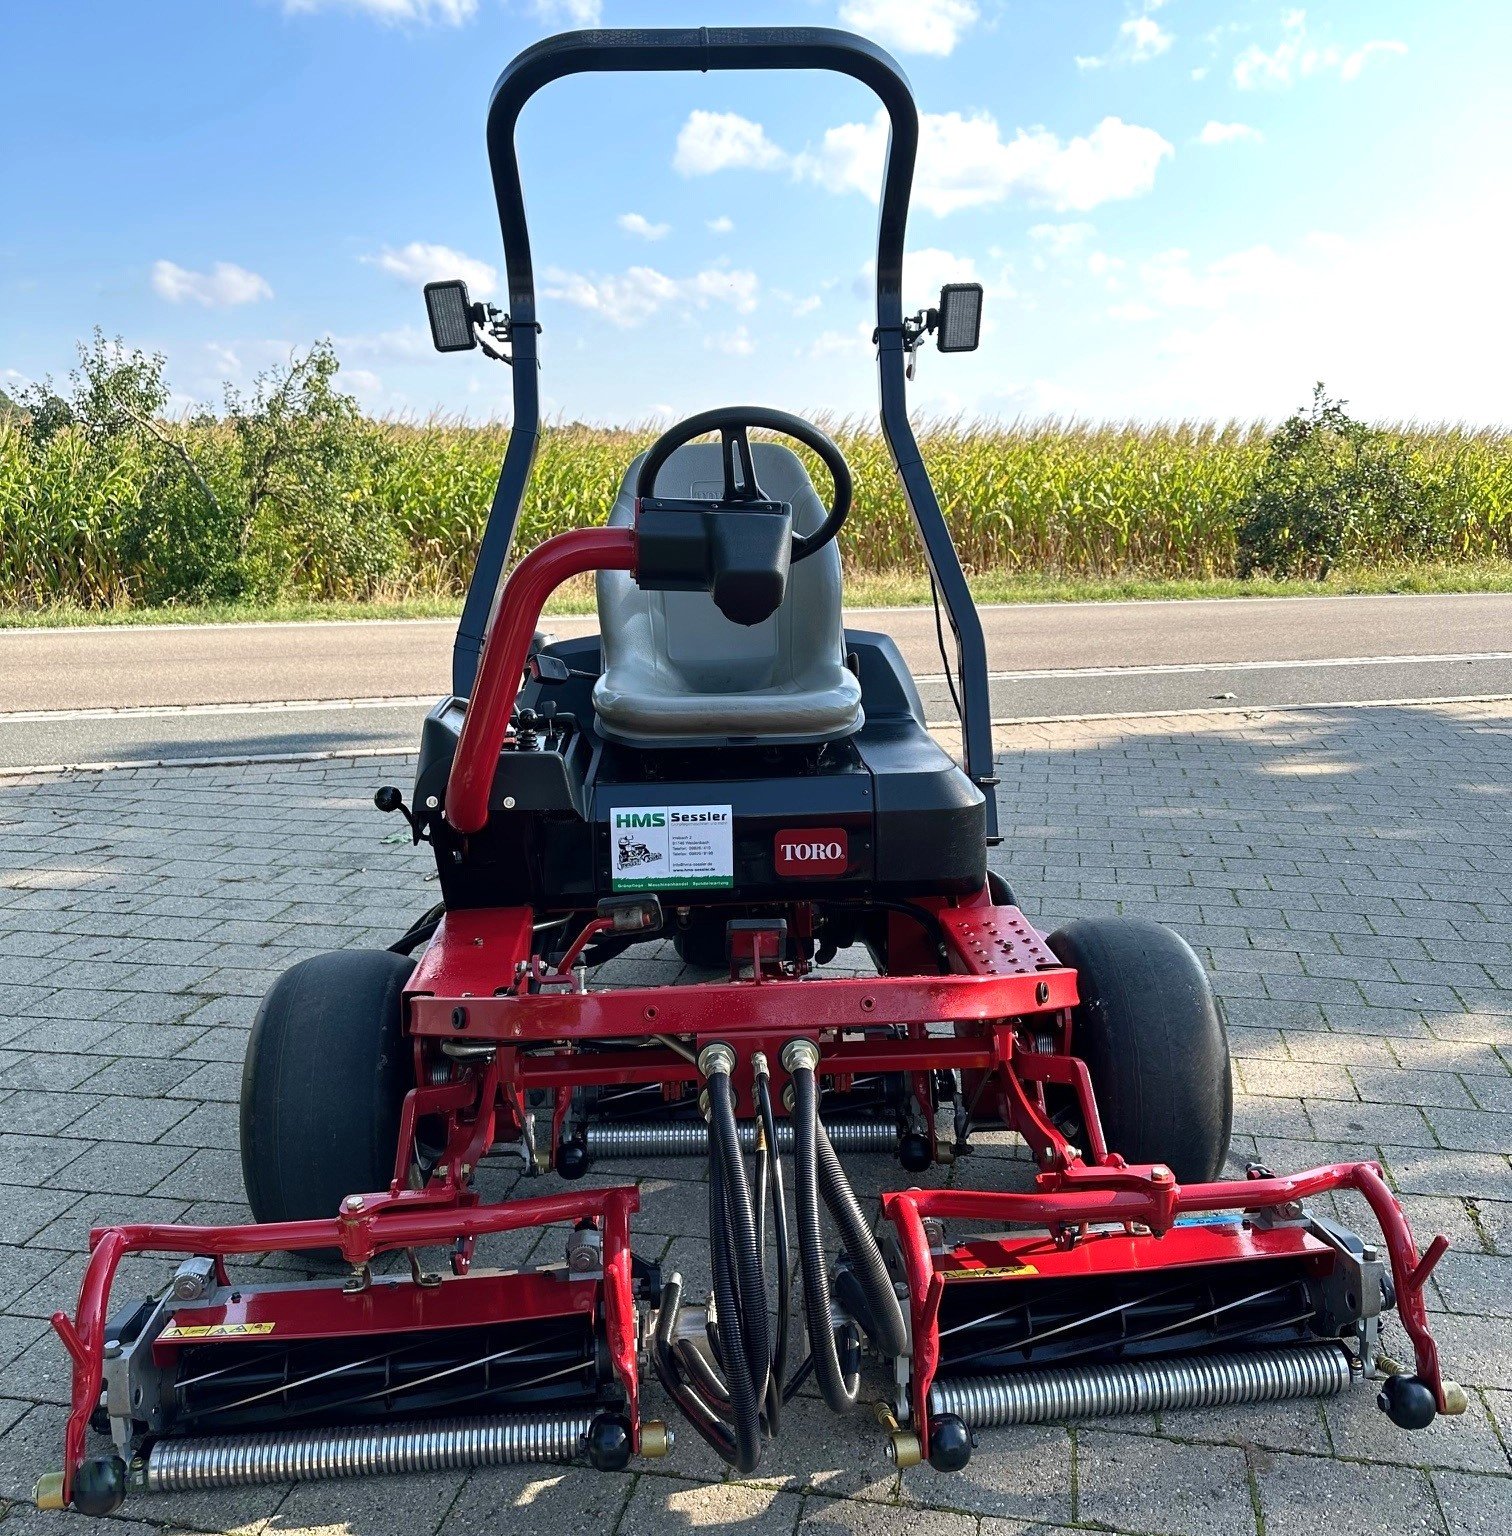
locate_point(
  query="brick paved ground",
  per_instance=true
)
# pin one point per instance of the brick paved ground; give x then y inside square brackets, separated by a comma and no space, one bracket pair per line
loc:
[1346,873]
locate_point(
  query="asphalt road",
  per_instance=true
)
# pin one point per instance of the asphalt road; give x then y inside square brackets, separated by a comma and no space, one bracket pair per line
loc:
[171,693]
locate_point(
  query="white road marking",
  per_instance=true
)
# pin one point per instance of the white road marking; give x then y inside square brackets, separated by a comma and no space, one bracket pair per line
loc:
[1152,669]
[152,711]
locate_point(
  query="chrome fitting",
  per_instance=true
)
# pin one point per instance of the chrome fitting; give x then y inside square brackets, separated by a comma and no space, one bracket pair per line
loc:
[657,1439]
[798,1055]
[759,1064]
[717,1057]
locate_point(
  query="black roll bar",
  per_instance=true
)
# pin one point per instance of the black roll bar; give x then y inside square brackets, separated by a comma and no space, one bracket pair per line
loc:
[705,48]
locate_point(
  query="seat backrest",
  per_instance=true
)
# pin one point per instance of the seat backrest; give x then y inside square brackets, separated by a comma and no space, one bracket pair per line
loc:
[699,649]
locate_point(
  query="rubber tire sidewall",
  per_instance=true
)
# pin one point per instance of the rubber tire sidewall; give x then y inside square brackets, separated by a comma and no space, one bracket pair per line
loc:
[1151,1033]
[323,1084]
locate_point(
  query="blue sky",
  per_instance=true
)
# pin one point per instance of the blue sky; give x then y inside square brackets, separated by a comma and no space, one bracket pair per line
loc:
[1185,208]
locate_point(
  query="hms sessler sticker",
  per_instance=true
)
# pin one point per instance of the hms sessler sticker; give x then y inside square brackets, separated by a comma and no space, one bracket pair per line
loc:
[671,847]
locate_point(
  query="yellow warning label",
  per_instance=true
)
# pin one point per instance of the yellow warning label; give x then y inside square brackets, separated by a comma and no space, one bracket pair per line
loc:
[993,1272]
[216,1330]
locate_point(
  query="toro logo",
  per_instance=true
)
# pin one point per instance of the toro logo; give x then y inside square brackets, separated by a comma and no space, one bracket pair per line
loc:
[812,851]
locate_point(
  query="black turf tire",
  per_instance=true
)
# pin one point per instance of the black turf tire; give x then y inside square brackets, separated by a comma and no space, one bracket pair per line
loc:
[702,945]
[999,890]
[323,1083]
[1151,1034]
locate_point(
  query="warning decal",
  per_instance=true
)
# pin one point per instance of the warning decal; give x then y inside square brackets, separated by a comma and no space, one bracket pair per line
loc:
[671,847]
[990,1272]
[216,1330]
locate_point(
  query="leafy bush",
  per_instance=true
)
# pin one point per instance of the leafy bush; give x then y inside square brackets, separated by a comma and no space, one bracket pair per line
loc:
[1331,487]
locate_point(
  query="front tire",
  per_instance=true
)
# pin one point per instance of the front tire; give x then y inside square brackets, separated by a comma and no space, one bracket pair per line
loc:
[323,1084]
[1150,1031]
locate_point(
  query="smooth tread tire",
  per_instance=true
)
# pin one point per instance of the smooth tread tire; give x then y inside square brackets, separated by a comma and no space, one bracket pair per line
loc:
[323,1084]
[702,945]
[1150,1031]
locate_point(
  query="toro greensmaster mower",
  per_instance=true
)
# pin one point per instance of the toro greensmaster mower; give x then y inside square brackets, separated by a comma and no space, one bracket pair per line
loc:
[728,766]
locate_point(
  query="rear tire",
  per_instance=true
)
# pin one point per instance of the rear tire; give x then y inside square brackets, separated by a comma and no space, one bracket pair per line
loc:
[702,944]
[323,1084]
[1150,1031]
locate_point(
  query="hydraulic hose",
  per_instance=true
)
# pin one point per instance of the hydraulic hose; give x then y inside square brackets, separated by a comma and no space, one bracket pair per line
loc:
[697,1412]
[891,1334]
[838,1387]
[745,1401]
[772,1161]
[744,1237]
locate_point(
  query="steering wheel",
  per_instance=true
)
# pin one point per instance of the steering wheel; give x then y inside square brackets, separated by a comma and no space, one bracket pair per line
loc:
[732,422]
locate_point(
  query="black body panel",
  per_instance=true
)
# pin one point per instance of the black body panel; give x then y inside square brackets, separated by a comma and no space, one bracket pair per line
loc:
[913,822]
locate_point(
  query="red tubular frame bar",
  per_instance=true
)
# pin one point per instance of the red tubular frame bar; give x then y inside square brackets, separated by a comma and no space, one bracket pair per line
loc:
[367,1226]
[1151,1197]
[506,652]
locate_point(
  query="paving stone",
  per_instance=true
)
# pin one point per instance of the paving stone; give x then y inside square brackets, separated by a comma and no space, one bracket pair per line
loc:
[1469,1442]
[835,1517]
[414,1504]
[1303,1495]
[661,1504]
[1138,1483]
[1024,1472]
[1475,1506]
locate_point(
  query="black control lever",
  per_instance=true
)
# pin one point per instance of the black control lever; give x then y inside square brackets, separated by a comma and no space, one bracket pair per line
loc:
[388,799]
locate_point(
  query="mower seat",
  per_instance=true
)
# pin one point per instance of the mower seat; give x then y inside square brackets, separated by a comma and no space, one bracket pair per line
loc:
[678,673]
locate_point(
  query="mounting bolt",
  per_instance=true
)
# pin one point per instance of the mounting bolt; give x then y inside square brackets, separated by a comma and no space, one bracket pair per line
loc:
[1160,1174]
[1042,993]
[352,1204]
[459,1018]
[431,803]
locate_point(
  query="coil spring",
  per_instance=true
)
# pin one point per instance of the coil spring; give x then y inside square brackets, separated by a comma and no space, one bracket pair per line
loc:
[436,1445]
[1091,1391]
[688,1138]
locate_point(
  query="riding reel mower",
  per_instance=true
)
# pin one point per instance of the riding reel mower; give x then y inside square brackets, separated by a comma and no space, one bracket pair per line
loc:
[728,766]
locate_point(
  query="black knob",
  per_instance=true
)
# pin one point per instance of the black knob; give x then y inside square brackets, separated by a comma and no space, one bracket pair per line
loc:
[950,1443]
[99,1486]
[609,1442]
[572,1160]
[914,1152]
[388,799]
[1407,1401]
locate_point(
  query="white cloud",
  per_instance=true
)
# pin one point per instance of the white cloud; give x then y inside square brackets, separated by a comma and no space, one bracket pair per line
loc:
[965,163]
[926,271]
[631,297]
[736,343]
[405,343]
[569,13]
[720,141]
[1296,57]
[1061,239]
[1229,133]
[854,342]
[421,262]
[806,305]
[1140,39]
[451,12]
[223,285]
[911,26]
[1259,272]
[722,225]
[639,224]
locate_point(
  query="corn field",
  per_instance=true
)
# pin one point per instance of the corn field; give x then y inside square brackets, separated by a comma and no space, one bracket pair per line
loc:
[147,511]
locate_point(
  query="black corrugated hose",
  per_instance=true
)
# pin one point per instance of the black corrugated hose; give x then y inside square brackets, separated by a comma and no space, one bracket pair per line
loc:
[838,1387]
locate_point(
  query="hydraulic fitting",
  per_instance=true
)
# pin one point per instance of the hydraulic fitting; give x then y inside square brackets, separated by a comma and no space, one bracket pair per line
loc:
[656,1440]
[717,1057]
[798,1054]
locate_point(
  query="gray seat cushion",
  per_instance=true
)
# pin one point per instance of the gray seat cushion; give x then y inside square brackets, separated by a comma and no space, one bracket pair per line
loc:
[678,673]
